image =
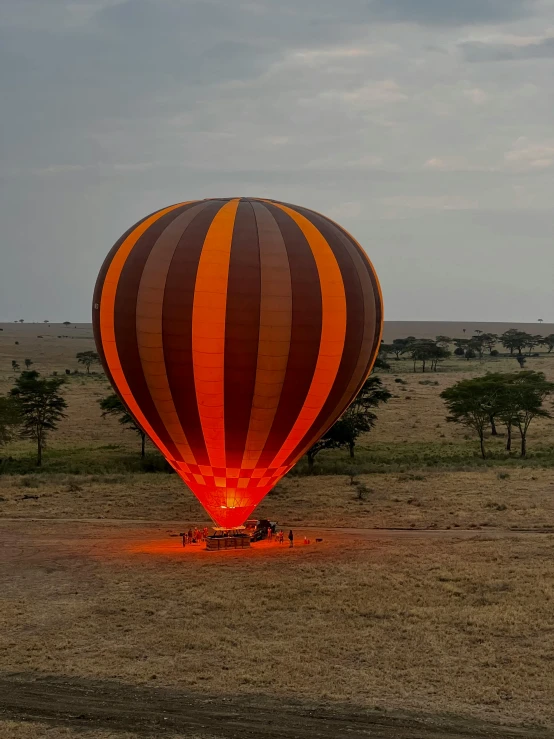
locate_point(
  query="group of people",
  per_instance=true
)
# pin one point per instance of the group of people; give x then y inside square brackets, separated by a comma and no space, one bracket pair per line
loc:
[195,536]
[280,536]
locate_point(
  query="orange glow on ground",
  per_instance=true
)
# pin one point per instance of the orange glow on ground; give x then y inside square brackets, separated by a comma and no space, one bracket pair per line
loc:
[173,547]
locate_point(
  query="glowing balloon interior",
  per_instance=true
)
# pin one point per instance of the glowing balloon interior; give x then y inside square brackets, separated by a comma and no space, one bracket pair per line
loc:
[236,332]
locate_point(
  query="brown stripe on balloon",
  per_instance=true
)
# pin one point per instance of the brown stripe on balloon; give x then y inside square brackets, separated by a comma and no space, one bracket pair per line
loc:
[275,329]
[150,300]
[338,398]
[242,328]
[305,332]
[373,305]
[98,293]
[177,327]
[125,326]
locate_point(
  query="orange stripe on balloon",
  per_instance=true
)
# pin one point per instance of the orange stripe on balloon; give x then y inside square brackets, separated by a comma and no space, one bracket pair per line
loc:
[150,301]
[107,324]
[333,333]
[275,332]
[208,330]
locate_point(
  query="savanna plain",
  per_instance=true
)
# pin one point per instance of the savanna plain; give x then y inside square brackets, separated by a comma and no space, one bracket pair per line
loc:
[426,610]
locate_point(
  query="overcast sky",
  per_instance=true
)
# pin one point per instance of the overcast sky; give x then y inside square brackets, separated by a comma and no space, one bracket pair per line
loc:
[425,127]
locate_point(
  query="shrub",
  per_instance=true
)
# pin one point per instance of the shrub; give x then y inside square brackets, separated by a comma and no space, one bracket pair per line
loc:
[495,353]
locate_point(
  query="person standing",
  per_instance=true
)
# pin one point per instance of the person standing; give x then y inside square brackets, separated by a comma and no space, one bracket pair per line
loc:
[291,538]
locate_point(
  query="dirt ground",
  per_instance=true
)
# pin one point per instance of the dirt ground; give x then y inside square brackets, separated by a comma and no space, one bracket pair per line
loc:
[460,625]
[74,707]
[483,498]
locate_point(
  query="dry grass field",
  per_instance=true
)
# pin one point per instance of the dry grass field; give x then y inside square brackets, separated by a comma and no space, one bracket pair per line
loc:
[434,626]
[460,626]
[519,498]
[420,470]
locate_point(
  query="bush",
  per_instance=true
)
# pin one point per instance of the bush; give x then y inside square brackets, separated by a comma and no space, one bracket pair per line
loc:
[459,352]
[470,354]
[495,353]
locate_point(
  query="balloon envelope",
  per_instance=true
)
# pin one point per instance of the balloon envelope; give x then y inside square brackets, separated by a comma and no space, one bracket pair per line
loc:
[236,332]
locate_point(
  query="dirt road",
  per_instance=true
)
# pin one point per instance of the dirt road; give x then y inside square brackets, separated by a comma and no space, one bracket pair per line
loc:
[154,712]
[51,540]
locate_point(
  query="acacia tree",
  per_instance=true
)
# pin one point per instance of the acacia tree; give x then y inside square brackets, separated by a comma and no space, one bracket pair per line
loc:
[489,341]
[336,438]
[534,341]
[357,419]
[521,401]
[514,339]
[87,359]
[112,405]
[9,419]
[477,345]
[28,363]
[549,342]
[39,405]
[421,351]
[427,351]
[514,398]
[15,365]
[438,354]
[401,346]
[471,403]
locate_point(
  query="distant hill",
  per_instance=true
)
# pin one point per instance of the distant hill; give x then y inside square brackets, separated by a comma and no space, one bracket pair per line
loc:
[393,329]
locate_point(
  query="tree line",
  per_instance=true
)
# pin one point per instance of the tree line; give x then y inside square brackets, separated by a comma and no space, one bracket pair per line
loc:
[35,405]
[429,353]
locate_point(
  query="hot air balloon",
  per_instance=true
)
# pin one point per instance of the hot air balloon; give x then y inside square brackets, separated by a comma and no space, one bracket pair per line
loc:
[236,332]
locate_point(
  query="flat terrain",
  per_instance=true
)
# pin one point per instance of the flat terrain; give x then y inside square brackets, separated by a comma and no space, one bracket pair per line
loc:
[444,628]
[383,624]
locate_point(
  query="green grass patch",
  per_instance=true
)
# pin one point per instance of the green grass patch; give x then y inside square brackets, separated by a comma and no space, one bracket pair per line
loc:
[106,460]
[400,457]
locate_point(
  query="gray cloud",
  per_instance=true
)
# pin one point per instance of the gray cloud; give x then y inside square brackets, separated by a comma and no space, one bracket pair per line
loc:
[478,51]
[111,109]
[453,12]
